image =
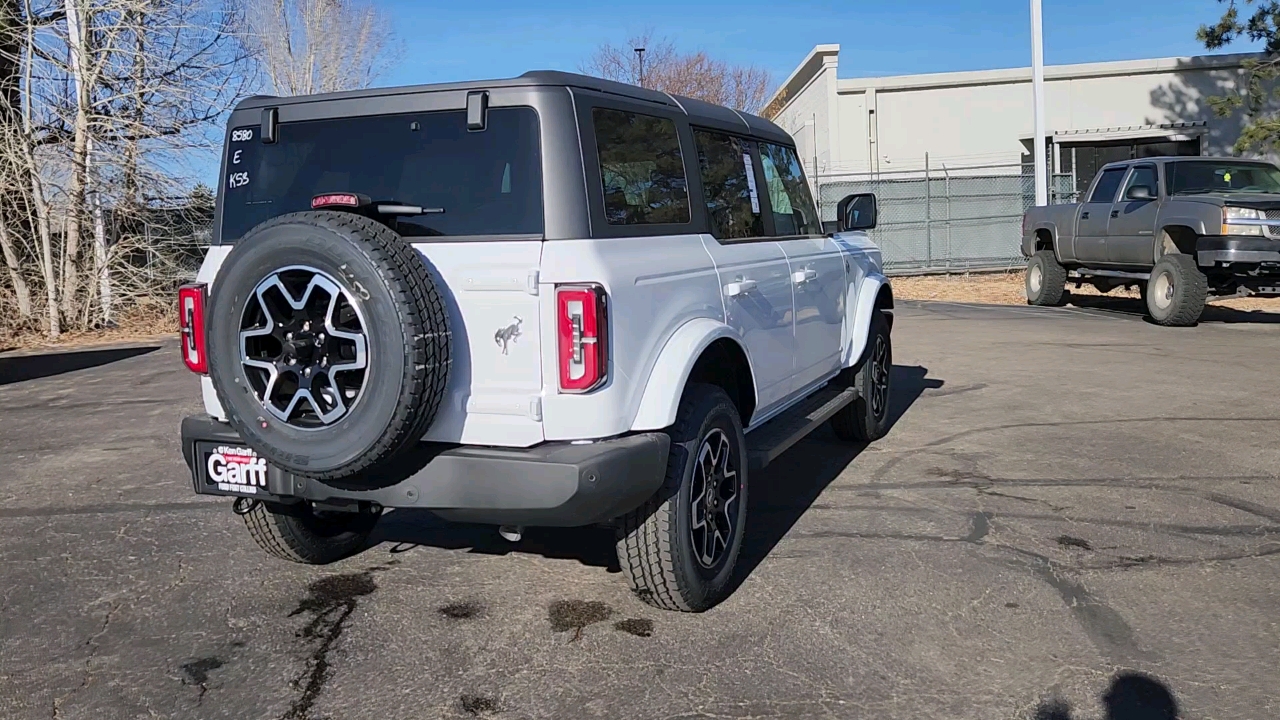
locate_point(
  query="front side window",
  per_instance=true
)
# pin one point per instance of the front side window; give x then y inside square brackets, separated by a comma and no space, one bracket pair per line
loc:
[792,203]
[641,169]
[1108,184]
[1144,175]
[729,184]
[485,183]
[1190,177]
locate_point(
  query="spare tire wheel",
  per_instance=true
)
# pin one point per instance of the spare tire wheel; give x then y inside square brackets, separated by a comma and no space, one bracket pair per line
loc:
[329,344]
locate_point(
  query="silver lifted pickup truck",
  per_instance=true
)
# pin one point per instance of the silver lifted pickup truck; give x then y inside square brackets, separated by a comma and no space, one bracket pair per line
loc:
[1178,228]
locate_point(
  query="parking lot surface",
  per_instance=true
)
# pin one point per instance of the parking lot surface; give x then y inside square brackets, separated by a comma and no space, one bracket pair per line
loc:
[1075,516]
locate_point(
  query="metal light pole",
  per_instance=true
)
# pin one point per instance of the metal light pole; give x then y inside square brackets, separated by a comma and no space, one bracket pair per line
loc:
[1037,89]
[640,54]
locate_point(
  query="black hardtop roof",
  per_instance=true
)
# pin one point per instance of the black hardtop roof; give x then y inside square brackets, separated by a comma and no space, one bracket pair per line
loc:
[694,109]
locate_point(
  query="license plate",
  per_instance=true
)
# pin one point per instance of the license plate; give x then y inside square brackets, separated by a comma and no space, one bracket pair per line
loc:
[233,468]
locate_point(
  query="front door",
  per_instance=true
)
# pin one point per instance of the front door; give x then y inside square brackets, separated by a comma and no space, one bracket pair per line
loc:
[1130,234]
[1095,215]
[816,263]
[755,278]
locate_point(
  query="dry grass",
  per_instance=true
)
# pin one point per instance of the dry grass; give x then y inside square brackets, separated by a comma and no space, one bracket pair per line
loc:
[147,320]
[1006,288]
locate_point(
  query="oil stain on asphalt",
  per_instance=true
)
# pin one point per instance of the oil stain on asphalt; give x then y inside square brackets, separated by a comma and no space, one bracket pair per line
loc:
[464,610]
[477,705]
[330,602]
[575,615]
[640,627]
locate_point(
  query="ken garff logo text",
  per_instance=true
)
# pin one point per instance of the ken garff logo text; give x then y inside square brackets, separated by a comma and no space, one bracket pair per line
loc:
[508,334]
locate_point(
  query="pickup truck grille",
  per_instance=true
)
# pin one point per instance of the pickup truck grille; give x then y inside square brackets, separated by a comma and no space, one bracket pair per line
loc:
[1273,230]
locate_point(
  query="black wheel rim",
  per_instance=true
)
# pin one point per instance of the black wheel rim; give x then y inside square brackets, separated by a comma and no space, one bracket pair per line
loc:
[879,377]
[303,348]
[714,506]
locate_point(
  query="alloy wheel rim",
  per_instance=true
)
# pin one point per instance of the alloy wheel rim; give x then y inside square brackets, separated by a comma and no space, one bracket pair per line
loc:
[880,377]
[1163,291]
[714,495]
[303,348]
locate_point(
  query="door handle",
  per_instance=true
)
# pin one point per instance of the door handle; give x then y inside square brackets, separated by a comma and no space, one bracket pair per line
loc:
[1084,215]
[800,277]
[1115,213]
[740,287]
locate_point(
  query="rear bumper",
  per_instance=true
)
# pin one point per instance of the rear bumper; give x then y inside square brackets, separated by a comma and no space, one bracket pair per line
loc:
[1215,250]
[554,484]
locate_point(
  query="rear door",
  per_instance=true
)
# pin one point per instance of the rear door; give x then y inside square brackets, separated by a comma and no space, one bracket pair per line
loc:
[481,234]
[1130,232]
[816,264]
[754,274]
[1095,215]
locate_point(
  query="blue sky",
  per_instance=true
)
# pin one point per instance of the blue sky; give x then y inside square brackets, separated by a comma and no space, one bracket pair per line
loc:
[499,38]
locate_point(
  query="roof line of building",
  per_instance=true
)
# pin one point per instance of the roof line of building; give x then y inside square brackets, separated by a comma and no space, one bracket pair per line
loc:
[817,57]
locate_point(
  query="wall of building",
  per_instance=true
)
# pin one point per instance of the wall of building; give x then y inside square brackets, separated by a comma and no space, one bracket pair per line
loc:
[887,124]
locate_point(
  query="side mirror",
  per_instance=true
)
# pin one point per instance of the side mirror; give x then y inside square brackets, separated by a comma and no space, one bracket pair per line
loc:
[856,212]
[1139,192]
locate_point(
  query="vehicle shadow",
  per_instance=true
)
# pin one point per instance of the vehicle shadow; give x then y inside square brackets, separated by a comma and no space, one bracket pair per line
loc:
[1131,696]
[19,368]
[782,493]
[1138,309]
[779,497]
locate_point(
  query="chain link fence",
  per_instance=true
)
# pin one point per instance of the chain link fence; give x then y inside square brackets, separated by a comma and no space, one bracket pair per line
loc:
[953,219]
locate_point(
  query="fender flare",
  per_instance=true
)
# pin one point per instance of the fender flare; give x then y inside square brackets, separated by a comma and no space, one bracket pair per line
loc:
[670,373]
[1197,225]
[859,317]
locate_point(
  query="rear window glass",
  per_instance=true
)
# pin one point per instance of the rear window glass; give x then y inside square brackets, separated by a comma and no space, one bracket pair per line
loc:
[641,169]
[487,183]
[1108,184]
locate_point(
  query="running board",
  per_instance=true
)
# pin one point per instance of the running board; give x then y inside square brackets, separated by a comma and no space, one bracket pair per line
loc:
[770,440]
[1088,272]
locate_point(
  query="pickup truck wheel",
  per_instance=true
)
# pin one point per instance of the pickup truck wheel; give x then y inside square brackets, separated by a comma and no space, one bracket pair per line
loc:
[1176,291]
[300,534]
[866,419]
[1046,279]
[329,344]
[679,549]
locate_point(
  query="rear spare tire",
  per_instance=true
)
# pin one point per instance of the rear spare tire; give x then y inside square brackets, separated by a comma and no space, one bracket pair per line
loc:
[328,344]
[1176,291]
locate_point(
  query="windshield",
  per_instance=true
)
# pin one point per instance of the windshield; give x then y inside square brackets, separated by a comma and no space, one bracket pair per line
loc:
[1200,176]
[487,182]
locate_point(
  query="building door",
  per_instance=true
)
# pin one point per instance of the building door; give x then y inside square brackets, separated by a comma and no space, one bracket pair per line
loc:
[1130,234]
[1095,214]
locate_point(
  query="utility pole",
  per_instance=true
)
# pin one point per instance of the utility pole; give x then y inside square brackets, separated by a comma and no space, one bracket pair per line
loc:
[640,54]
[1037,90]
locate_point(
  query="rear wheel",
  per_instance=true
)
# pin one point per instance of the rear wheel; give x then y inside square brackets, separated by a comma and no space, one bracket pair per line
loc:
[301,534]
[679,549]
[1046,280]
[1176,291]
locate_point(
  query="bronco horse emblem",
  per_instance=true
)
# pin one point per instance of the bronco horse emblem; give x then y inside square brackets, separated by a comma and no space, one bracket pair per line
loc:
[507,334]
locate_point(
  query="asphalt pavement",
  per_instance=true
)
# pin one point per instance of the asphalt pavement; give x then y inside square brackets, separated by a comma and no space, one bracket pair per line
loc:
[1075,516]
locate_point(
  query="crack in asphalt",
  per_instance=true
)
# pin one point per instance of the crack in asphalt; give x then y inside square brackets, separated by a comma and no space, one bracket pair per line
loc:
[92,644]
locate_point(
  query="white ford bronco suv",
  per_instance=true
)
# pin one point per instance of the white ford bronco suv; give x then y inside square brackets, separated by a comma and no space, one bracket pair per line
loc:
[552,300]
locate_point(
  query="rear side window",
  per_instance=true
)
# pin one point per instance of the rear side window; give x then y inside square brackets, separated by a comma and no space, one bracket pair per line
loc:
[641,169]
[789,197]
[487,183]
[1108,184]
[729,184]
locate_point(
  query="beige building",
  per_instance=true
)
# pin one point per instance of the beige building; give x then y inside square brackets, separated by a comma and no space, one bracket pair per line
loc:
[1095,113]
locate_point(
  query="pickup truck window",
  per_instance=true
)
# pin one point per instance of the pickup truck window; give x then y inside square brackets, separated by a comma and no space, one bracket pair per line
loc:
[1108,184]
[641,169]
[1142,175]
[1201,176]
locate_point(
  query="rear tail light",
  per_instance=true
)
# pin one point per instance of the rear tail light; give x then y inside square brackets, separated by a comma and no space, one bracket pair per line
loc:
[191,300]
[582,328]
